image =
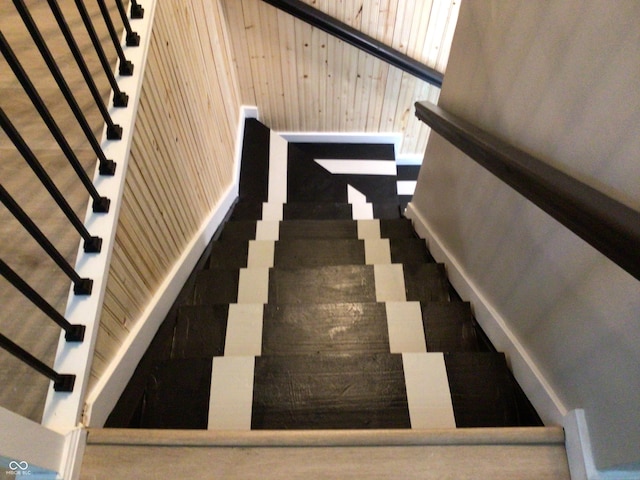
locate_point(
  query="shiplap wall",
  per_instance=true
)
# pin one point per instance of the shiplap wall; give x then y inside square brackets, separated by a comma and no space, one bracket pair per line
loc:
[181,160]
[302,79]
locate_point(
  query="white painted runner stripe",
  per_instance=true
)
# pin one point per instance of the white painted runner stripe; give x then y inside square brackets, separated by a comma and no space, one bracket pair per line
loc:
[253,285]
[355,196]
[244,329]
[428,394]
[267,230]
[261,253]
[278,153]
[362,211]
[409,159]
[231,397]
[406,187]
[394,138]
[376,251]
[368,229]
[272,211]
[389,283]
[406,331]
[358,167]
[360,208]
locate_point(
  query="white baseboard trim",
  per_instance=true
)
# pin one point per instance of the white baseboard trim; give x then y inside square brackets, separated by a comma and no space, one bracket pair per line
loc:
[578,446]
[107,391]
[343,137]
[538,390]
[75,443]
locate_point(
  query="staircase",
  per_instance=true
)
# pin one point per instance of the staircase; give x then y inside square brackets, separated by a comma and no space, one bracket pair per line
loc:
[320,321]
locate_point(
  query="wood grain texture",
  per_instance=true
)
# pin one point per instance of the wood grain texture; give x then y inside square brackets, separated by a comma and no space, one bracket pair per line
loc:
[463,454]
[181,160]
[302,79]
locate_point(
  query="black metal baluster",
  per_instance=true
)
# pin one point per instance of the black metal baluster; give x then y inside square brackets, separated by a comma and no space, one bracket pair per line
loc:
[107,167]
[136,10]
[114,38]
[91,244]
[133,39]
[120,99]
[126,67]
[61,382]
[82,286]
[73,333]
[100,204]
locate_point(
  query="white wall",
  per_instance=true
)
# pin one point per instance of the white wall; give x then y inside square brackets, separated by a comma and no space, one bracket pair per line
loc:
[559,79]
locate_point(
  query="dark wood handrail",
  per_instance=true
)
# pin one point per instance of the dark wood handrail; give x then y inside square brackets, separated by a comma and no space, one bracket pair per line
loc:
[606,224]
[358,39]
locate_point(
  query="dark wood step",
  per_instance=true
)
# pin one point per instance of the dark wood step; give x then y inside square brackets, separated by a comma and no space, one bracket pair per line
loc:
[309,181]
[329,391]
[388,228]
[250,210]
[408,172]
[254,169]
[177,395]
[331,328]
[295,253]
[333,284]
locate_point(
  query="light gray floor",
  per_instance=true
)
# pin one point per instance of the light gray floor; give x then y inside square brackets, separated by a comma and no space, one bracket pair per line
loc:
[536,453]
[23,390]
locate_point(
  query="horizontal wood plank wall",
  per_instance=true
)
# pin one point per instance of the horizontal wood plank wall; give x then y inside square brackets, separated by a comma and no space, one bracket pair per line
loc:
[181,160]
[302,79]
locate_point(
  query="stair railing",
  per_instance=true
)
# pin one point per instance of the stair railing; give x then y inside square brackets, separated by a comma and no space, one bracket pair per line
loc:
[80,321]
[603,222]
[358,39]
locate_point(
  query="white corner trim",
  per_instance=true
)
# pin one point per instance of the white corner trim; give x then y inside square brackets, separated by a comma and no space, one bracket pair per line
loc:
[75,443]
[578,445]
[343,137]
[248,111]
[541,394]
[108,389]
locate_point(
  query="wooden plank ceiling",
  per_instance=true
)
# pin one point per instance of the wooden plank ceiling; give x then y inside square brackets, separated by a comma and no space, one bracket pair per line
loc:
[302,79]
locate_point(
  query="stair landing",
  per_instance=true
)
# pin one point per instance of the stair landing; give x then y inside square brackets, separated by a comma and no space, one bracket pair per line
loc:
[535,453]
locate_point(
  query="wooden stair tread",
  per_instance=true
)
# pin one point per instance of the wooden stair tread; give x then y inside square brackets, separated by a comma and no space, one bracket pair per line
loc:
[388,228]
[465,454]
[326,438]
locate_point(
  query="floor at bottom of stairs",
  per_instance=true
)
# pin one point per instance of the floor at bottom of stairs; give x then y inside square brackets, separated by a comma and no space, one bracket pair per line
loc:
[496,454]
